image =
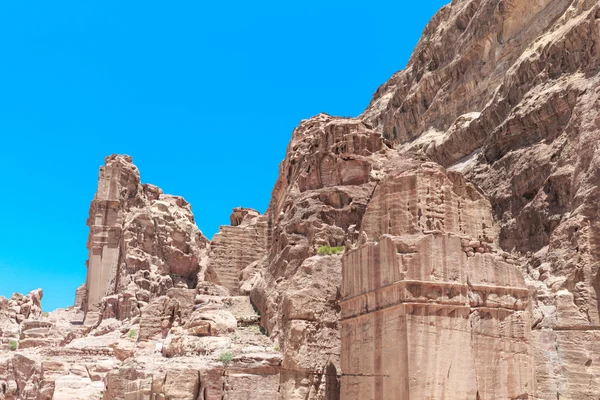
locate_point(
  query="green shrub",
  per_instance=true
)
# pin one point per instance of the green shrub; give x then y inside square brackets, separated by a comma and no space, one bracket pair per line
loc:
[45,314]
[132,334]
[226,357]
[13,345]
[256,312]
[328,250]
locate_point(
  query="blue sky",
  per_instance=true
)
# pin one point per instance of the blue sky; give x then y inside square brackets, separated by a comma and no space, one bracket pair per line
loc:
[203,95]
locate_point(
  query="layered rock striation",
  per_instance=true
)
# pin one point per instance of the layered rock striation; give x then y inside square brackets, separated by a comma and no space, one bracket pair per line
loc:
[431,307]
[512,104]
[443,244]
[236,250]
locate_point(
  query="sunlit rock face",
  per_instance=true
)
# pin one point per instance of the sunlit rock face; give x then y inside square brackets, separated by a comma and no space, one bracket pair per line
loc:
[504,96]
[324,186]
[14,312]
[431,308]
[212,350]
[141,243]
[235,248]
[152,320]
[460,211]
[507,93]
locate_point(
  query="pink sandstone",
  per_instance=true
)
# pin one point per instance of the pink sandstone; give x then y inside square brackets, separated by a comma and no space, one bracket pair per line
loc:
[461,209]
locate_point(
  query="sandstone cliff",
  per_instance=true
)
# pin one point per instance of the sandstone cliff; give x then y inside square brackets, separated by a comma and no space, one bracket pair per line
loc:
[151,321]
[442,245]
[504,93]
[507,93]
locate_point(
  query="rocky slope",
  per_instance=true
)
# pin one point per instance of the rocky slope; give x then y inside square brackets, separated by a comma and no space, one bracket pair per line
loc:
[149,323]
[460,211]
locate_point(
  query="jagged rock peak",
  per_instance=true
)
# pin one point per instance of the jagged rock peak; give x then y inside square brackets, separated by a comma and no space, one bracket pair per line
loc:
[21,307]
[241,215]
[506,92]
[142,242]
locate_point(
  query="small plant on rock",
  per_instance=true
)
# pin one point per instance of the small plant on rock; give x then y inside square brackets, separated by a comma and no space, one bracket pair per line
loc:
[328,250]
[132,334]
[13,345]
[226,357]
[45,314]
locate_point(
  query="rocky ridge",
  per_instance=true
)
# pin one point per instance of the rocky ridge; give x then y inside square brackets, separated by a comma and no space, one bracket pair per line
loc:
[150,322]
[464,197]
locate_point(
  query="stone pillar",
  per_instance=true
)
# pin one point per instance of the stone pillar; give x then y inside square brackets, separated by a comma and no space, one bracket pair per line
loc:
[117,182]
[80,294]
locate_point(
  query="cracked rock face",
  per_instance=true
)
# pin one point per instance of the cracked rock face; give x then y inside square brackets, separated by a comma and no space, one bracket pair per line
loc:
[142,243]
[431,307]
[443,244]
[507,93]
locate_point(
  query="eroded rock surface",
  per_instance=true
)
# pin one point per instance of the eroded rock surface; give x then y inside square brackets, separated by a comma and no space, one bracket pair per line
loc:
[142,243]
[461,211]
[507,93]
[431,307]
[324,186]
[235,248]
[150,323]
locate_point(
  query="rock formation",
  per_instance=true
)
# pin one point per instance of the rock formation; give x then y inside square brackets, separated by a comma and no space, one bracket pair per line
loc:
[507,93]
[15,311]
[431,307]
[235,248]
[150,322]
[442,245]
[324,186]
[142,243]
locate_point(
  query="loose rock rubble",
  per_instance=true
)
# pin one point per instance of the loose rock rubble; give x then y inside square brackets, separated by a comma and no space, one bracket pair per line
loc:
[460,214]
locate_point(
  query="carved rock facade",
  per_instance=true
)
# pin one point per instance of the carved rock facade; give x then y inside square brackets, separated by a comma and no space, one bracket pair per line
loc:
[431,307]
[507,93]
[465,198]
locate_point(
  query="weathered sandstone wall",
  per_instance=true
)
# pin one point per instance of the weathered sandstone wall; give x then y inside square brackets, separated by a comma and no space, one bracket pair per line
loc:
[142,243]
[507,93]
[234,248]
[431,308]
